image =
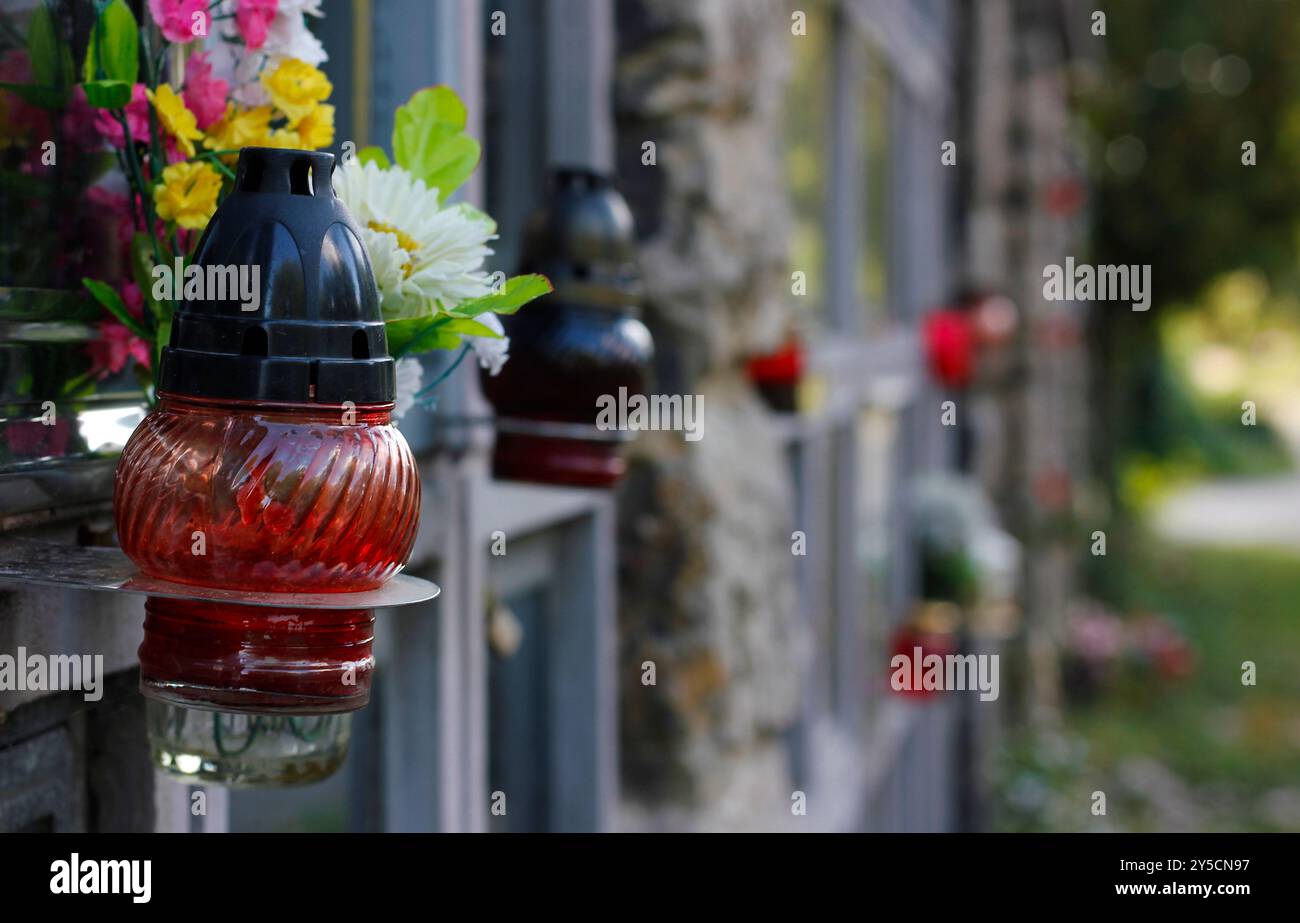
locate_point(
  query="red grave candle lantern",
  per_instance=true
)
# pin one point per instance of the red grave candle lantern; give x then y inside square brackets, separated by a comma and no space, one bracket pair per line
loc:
[959,340]
[949,346]
[271,463]
[777,375]
[931,630]
[583,343]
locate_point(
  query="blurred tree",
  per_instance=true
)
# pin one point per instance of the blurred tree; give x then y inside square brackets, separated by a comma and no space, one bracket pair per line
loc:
[1187,83]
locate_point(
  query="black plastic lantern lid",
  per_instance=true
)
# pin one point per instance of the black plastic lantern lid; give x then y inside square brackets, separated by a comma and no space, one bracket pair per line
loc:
[584,241]
[316,334]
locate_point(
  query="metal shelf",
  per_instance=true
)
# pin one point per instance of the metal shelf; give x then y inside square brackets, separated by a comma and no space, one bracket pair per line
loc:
[24,562]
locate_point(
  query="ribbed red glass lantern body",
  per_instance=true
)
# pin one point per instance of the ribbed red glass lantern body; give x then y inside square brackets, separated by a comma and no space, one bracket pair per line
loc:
[257,658]
[258,497]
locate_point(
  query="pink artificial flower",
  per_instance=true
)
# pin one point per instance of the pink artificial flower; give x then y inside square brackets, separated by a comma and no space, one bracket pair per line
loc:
[1096,635]
[133,298]
[31,439]
[15,67]
[114,347]
[181,21]
[253,19]
[173,152]
[117,208]
[204,94]
[79,122]
[137,119]
[18,120]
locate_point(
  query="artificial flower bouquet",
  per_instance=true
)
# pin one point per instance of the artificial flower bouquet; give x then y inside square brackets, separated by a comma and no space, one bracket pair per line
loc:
[172,100]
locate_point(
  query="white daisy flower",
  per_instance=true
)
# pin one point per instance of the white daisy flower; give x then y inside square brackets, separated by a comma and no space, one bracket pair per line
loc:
[492,352]
[307,7]
[387,260]
[409,373]
[439,250]
[301,7]
[288,37]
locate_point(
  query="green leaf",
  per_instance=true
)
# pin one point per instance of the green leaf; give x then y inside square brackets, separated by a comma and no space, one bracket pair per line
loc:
[106,295]
[51,60]
[431,338]
[401,332]
[466,327]
[420,335]
[41,97]
[114,49]
[374,155]
[108,94]
[517,292]
[142,263]
[164,336]
[429,140]
[144,376]
[79,385]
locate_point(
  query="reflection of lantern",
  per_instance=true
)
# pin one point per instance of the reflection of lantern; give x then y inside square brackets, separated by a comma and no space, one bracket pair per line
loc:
[576,346]
[270,463]
[777,375]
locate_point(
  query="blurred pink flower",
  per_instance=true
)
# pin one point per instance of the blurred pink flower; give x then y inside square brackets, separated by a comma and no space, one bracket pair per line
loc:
[179,20]
[114,347]
[253,19]
[15,67]
[79,122]
[133,298]
[116,208]
[204,94]
[116,344]
[1095,634]
[137,119]
[173,152]
[18,120]
[31,439]
[1164,646]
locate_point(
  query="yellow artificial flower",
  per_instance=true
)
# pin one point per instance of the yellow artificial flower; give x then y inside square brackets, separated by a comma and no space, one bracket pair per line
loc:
[188,194]
[316,128]
[240,128]
[284,138]
[295,88]
[175,118]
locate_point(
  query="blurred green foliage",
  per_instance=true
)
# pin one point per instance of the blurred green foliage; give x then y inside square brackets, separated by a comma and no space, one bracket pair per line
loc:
[1175,90]
[1232,751]
[1172,79]
[1194,436]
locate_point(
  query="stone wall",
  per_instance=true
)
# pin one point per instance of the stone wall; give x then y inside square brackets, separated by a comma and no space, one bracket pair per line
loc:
[1023,200]
[706,575]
